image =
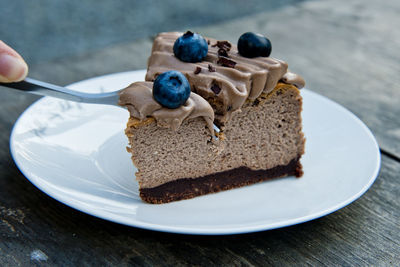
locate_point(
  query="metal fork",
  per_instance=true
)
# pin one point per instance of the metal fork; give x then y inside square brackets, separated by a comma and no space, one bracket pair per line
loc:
[46,89]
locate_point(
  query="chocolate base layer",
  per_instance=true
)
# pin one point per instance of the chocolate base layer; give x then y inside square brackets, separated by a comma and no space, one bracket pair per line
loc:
[189,188]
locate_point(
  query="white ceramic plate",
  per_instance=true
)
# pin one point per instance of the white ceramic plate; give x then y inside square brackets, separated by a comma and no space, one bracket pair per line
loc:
[76,154]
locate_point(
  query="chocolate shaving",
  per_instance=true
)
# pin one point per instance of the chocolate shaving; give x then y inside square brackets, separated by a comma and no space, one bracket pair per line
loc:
[197,70]
[222,52]
[208,42]
[211,68]
[256,103]
[223,45]
[226,62]
[215,88]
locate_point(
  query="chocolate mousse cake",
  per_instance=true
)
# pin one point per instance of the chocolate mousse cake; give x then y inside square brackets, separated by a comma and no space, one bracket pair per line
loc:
[253,100]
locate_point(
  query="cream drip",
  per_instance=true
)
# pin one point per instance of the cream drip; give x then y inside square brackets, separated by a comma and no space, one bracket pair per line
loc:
[295,79]
[138,98]
[247,80]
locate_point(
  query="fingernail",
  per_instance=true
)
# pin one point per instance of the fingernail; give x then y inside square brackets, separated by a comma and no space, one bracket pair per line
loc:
[12,68]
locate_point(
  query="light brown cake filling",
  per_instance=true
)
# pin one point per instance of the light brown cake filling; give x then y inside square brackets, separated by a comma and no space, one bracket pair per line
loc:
[267,133]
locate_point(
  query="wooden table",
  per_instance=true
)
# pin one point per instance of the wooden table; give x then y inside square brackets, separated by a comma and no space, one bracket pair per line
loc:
[348,50]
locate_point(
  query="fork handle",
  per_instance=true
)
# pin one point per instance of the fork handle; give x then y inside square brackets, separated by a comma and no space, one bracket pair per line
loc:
[46,89]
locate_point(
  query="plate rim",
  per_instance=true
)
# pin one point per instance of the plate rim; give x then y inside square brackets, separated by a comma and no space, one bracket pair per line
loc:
[190,230]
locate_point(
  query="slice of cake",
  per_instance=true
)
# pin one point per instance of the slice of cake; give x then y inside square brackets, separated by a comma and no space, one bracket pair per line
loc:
[255,101]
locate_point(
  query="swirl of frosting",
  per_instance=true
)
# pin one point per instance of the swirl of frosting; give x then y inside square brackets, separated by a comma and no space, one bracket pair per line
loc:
[138,98]
[224,76]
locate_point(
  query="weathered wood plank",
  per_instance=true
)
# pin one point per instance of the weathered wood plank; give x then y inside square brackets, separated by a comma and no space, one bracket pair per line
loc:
[364,233]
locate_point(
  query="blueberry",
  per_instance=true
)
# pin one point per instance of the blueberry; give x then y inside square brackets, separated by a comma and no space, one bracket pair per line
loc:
[254,45]
[171,89]
[191,47]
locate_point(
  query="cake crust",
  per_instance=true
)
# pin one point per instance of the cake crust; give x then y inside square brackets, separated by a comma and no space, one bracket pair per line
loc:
[187,188]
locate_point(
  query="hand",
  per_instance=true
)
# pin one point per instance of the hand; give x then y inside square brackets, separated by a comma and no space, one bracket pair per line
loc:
[12,66]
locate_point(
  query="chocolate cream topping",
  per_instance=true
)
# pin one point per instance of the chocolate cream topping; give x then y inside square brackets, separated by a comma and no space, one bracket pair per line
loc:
[224,77]
[138,98]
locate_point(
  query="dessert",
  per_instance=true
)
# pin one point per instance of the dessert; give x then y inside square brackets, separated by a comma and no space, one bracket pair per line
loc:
[253,99]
